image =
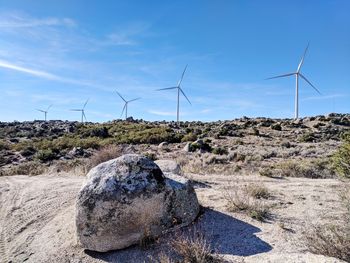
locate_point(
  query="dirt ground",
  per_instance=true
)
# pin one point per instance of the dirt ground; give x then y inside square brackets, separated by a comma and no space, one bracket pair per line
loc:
[37,220]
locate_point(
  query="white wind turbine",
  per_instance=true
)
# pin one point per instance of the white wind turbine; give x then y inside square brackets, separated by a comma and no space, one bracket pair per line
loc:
[45,111]
[179,89]
[297,75]
[125,105]
[82,111]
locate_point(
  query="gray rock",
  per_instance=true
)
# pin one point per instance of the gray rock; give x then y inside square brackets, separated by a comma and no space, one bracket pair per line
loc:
[187,147]
[169,166]
[125,199]
[163,144]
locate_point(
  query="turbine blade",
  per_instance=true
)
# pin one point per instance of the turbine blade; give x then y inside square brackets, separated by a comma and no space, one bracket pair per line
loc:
[75,110]
[302,59]
[40,110]
[301,75]
[183,93]
[281,76]
[167,88]
[120,96]
[84,116]
[86,103]
[49,107]
[182,76]
[134,99]
[123,110]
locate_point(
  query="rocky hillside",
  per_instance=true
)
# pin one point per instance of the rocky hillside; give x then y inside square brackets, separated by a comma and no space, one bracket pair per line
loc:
[42,142]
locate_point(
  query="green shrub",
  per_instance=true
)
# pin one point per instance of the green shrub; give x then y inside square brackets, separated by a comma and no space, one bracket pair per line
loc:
[219,150]
[28,151]
[341,159]
[319,168]
[4,145]
[307,137]
[190,137]
[45,155]
[276,127]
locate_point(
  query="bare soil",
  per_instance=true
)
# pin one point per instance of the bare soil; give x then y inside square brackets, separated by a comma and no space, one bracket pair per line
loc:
[37,220]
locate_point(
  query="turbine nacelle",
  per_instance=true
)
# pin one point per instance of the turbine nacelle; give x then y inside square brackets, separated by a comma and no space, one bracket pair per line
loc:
[45,111]
[298,74]
[179,89]
[83,116]
[126,102]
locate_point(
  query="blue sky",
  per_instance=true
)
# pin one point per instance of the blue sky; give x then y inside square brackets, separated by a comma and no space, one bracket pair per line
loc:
[64,52]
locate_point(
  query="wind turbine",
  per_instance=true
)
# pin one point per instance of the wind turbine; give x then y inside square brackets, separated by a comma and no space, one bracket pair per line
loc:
[297,75]
[179,89]
[82,111]
[125,105]
[45,111]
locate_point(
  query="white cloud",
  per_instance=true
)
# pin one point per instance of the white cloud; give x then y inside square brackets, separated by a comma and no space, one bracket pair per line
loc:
[324,97]
[15,20]
[163,113]
[46,75]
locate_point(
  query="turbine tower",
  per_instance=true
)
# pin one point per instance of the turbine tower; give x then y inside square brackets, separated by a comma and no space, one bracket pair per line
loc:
[83,116]
[45,111]
[297,75]
[125,105]
[179,89]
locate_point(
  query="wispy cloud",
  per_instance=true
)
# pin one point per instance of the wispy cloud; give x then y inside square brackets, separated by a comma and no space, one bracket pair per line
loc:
[16,20]
[127,35]
[46,75]
[325,97]
[163,113]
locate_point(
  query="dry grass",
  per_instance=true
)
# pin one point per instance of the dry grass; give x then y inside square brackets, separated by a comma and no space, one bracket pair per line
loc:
[329,240]
[192,247]
[258,191]
[105,154]
[28,168]
[247,200]
[332,239]
[312,169]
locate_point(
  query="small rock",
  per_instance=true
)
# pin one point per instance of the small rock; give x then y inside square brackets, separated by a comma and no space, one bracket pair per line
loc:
[169,166]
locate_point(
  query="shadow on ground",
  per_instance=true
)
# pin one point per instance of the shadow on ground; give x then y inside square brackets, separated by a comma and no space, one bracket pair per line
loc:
[231,236]
[226,235]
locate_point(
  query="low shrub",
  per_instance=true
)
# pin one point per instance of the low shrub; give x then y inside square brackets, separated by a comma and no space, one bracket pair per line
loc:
[307,137]
[332,239]
[319,168]
[276,127]
[192,247]
[219,151]
[240,200]
[341,159]
[258,191]
[4,145]
[190,137]
[105,154]
[27,168]
[28,151]
[45,155]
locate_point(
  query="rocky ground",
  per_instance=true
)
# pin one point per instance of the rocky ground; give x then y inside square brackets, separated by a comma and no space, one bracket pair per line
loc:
[289,159]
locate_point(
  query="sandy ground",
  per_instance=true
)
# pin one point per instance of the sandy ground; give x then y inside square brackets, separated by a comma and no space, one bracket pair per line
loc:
[37,220]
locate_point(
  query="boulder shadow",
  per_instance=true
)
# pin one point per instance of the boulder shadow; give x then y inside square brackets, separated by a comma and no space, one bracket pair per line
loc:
[228,235]
[225,234]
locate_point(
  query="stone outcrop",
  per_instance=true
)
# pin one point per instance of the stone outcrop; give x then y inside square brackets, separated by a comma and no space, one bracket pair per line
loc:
[129,198]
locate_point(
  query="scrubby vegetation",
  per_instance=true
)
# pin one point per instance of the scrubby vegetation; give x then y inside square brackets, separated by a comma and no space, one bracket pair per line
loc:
[243,145]
[192,247]
[247,199]
[341,159]
[333,239]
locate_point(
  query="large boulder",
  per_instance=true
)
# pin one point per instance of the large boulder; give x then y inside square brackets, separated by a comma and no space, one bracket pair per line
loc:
[127,199]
